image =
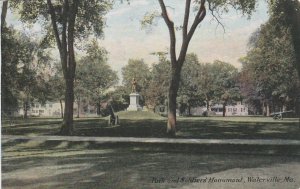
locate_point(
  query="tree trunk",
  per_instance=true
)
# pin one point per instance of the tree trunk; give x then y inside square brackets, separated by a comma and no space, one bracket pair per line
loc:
[25,110]
[78,107]
[177,63]
[293,14]
[3,13]
[98,109]
[67,127]
[65,42]
[61,109]
[267,109]
[264,108]
[207,105]
[224,109]
[173,89]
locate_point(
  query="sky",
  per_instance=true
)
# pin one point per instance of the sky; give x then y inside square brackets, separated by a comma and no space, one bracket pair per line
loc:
[125,39]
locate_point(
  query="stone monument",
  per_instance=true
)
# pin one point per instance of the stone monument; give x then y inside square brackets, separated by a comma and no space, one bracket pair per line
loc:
[134,98]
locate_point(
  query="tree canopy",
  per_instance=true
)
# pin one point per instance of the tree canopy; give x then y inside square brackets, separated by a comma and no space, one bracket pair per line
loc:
[64,22]
[22,77]
[94,76]
[269,73]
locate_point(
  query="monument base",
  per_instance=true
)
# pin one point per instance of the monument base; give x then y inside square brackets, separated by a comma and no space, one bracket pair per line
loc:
[134,108]
[134,102]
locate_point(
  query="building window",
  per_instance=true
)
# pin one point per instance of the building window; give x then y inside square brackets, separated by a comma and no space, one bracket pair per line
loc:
[241,109]
[50,105]
[37,106]
[41,111]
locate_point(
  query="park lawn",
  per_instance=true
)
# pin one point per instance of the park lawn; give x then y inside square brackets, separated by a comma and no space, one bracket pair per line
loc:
[67,164]
[147,124]
[42,163]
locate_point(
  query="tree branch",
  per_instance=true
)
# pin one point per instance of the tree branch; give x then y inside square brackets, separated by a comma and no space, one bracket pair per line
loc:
[213,14]
[54,25]
[170,25]
[185,42]
[186,18]
[198,18]
[58,40]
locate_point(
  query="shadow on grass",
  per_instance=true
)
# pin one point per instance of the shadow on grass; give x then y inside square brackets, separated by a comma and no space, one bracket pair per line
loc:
[205,129]
[186,128]
[53,164]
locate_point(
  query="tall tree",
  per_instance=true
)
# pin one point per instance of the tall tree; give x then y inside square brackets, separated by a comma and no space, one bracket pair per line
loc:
[156,93]
[286,13]
[207,84]
[94,76]
[189,94]
[226,76]
[9,68]
[269,66]
[187,34]
[69,20]
[22,79]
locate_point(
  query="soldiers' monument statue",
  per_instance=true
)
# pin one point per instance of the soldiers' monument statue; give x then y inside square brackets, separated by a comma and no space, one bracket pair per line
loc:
[134,98]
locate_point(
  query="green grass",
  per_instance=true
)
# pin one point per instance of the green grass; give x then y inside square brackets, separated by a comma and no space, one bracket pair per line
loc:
[45,164]
[148,124]
[64,164]
[139,115]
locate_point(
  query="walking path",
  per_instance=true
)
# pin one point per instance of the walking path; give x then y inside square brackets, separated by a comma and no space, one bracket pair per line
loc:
[272,142]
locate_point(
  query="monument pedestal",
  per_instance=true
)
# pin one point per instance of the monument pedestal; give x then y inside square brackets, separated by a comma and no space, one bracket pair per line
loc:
[134,102]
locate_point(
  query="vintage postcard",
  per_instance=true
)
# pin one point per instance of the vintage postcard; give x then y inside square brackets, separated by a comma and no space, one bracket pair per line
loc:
[148,94]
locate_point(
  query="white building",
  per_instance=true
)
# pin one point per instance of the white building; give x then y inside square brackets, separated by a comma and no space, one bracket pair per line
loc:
[49,109]
[237,110]
[54,109]
[231,110]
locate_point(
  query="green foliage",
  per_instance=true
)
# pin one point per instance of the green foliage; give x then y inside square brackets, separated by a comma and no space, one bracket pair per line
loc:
[268,72]
[224,82]
[286,14]
[22,77]
[244,6]
[93,75]
[56,84]
[149,19]
[189,94]
[89,19]
[157,92]
[9,69]
[119,98]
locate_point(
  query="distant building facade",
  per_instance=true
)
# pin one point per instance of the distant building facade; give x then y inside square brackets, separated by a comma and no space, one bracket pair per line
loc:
[49,109]
[237,109]
[55,109]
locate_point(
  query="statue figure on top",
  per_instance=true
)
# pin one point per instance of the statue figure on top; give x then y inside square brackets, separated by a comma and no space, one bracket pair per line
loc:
[133,88]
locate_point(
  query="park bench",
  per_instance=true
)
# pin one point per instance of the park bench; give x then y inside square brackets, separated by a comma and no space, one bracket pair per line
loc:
[279,115]
[113,117]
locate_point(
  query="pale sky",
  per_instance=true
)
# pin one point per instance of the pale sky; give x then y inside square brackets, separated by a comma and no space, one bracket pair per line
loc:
[124,38]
